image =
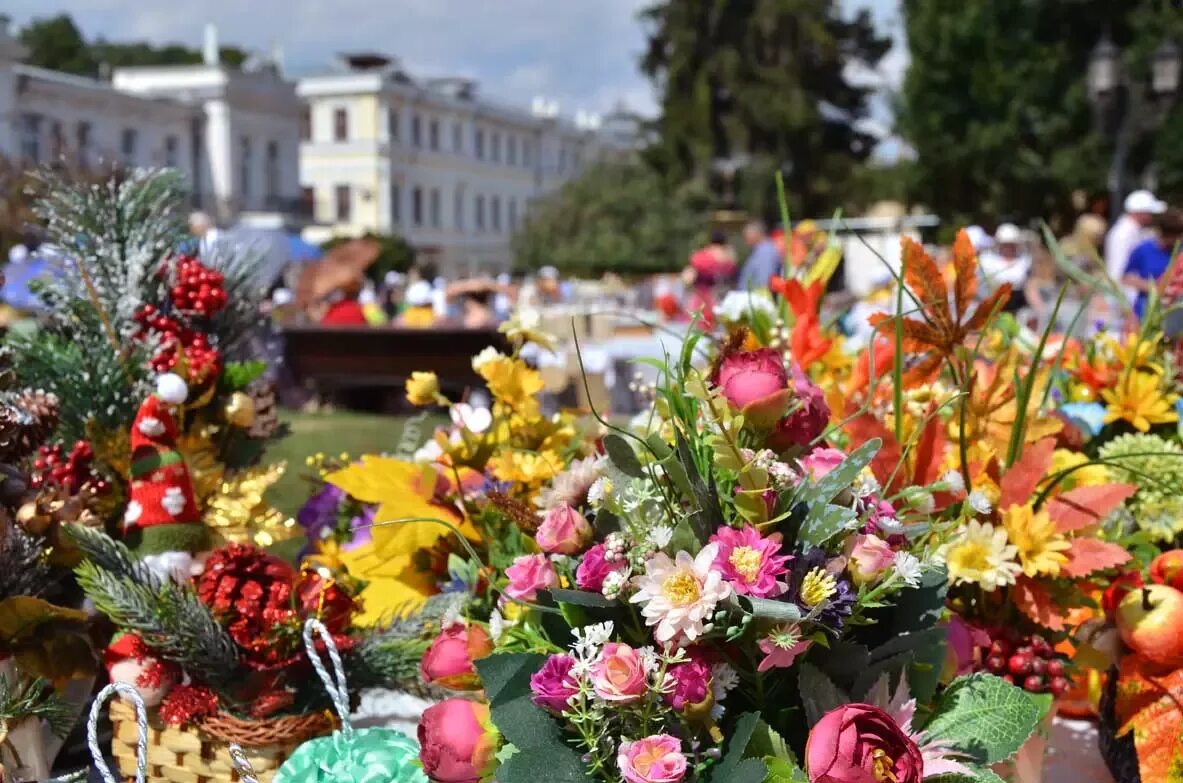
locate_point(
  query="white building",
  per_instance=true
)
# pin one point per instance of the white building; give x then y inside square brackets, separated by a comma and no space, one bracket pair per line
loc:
[427,159]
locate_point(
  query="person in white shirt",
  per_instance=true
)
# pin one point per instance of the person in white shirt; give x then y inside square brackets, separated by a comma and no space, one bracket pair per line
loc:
[1009,262]
[1130,230]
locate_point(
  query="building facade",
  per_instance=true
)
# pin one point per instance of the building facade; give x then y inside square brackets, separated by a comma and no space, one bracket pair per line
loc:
[427,159]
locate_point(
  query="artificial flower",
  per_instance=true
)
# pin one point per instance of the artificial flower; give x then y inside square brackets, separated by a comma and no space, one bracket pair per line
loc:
[552,685]
[448,660]
[525,325]
[868,558]
[860,743]
[656,759]
[1139,400]
[750,562]
[423,388]
[528,575]
[819,462]
[1077,470]
[781,647]
[690,683]
[456,744]
[595,567]
[1040,546]
[619,675]
[680,595]
[572,485]
[475,420]
[980,554]
[564,531]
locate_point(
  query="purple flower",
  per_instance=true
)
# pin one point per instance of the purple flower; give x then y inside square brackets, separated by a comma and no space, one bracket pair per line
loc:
[552,685]
[319,512]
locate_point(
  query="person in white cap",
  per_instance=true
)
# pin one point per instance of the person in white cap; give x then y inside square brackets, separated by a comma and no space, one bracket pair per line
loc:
[1008,262]
[1130,230]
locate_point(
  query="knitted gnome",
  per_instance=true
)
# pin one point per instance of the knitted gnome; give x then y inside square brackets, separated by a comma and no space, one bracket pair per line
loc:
[162,523]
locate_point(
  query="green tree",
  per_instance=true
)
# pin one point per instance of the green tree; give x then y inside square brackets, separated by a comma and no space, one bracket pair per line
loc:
[619,217]
[995,100]
[396,255]
[56,43]
[766,80]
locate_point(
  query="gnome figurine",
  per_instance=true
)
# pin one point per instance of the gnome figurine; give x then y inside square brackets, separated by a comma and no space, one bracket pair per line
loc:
[162,523]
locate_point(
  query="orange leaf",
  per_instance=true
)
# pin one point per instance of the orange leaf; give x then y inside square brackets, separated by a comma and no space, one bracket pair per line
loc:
[1086,555]
[986,309]
[861,429]
[965,264]
[1084,506]
[922,276]
[930,450]
[1149,699]
[1023,476]
[1034,601]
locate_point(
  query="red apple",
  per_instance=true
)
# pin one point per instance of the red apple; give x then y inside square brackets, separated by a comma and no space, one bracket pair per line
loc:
[1151,622]
[1118,589]
[1167,569]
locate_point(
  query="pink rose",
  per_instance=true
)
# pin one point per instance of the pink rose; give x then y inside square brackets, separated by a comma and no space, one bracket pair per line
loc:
[593,568]
[868,558]
[656,759]
[552,684]
[821,461]
[806,423]
[619,675]
[691,683]
[448,661]
[858,743]
[563,532]
[756,382]
[528,575]
[455,745]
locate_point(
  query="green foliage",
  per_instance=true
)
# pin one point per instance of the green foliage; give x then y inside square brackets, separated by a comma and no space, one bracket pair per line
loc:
[734,768]
[985,717]
[819,694]
[35,699]
[617,216]
[751,78]
[388,655]
[396,254]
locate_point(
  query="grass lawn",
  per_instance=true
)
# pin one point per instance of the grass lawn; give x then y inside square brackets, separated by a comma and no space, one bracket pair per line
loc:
[331,433]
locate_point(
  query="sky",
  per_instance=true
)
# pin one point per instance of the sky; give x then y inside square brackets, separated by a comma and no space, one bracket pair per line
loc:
[581,53]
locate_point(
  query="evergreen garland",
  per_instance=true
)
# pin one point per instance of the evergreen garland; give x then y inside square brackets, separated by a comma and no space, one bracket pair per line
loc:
[389,656]
[35,699]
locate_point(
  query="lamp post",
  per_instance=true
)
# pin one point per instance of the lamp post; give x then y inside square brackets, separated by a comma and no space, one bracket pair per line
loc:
[1127,110]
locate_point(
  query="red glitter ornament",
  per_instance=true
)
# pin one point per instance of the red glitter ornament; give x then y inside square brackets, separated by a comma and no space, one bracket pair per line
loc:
[187,704]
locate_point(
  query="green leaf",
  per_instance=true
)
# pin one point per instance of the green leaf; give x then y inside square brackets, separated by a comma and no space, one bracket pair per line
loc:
[823,522]
[623,456]
[582,598]
[819,694]
[784,771]
[925,654]
[984,717]
[544,754]
[238,375]
[976,775]
[919,608]
[765,609]
[658,446]
[733,768]
[841,477]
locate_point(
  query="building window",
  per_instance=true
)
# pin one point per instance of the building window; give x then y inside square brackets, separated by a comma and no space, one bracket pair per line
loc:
[527,152]
[392,124]
[344,204]
[31,137]
[308,200]
[562,159]
[171,151]
[417,206]
[480,213]
[457,138]
[513,213]
[436,208]
[416,131]
[396,204]
[306,123]
[82,137]
[458,210]
[478,143]
[496,147]
[340,125]
[433,135]
[272,172]
[495,209]
[511,150]
[244,167]
[127,145]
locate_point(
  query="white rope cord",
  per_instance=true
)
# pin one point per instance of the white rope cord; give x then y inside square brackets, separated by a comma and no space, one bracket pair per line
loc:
[335,687]
[92,731]
[242,764]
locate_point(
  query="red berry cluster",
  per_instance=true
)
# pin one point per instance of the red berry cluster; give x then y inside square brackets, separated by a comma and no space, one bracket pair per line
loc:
[197,289]
[177,339]
[73,472]
[1029,663]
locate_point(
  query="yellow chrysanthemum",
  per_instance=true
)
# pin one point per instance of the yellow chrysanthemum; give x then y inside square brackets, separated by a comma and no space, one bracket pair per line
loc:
[980,554]
[525,326]
[1086,476]
[1041,548]
[1139,399]
[423,388]
[510,380]
[1138,352]
[525,467]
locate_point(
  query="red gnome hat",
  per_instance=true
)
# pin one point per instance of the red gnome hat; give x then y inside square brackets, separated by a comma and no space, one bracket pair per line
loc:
[161,514]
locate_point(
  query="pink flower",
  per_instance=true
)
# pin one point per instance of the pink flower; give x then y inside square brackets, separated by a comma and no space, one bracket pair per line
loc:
[858,743]
[781,648]
[868,558]
[528,575]
[454,744]
[448,661]
[806,423]
[656,759]
[552,684]
[963,640]
[564,531]
[619,675]
[594,567]
[821,461]
[680,595]
[749,376]
[691,683]
[750,562]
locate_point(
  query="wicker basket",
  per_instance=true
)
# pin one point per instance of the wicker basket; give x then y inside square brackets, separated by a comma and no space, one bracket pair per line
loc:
[202,755]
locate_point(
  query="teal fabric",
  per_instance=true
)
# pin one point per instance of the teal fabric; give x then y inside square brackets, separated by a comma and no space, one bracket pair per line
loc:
[367,756]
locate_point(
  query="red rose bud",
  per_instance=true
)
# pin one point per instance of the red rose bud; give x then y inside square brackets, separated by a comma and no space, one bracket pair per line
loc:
[457,742]
[757,383]
[448,661]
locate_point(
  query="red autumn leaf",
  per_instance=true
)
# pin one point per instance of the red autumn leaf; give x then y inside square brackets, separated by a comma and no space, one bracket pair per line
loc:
[1086,555]
[1021,479]
[861,429]
[929,450]
[1036,602]
[1084,506]
[1150,707]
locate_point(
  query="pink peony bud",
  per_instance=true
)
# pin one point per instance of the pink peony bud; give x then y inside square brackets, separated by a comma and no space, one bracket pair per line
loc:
[868,558]
[528,575]
[456,744]
[593,568]
[563,532]
[448,661]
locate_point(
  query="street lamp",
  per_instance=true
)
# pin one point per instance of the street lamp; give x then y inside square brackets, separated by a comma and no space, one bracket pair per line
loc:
[1126,109]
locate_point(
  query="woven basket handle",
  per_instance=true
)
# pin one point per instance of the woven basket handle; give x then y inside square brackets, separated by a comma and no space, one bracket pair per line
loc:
[92,731]
[242,764]
[334,685]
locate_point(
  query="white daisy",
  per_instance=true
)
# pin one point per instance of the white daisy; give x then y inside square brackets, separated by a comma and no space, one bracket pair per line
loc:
[679,595]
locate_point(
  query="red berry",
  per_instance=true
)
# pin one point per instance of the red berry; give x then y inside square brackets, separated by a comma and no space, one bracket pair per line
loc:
[1033,683]
[1059,686]
[1009,678]
[999,648]
[1041,646]
[1025,650]
[1019,664]
[996,664]
[1038,666]
[1055,667]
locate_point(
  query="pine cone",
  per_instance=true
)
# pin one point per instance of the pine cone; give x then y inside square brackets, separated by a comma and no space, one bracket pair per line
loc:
[27,421]
[43,408]
[262,393]
[12,428]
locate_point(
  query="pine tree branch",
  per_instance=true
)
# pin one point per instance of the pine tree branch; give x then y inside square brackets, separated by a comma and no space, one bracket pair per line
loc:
[35,699]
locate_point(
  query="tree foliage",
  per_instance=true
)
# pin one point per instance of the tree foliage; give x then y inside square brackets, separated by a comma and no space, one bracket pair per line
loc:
[396,254]
[617,216]
[995,100]
[765,79]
